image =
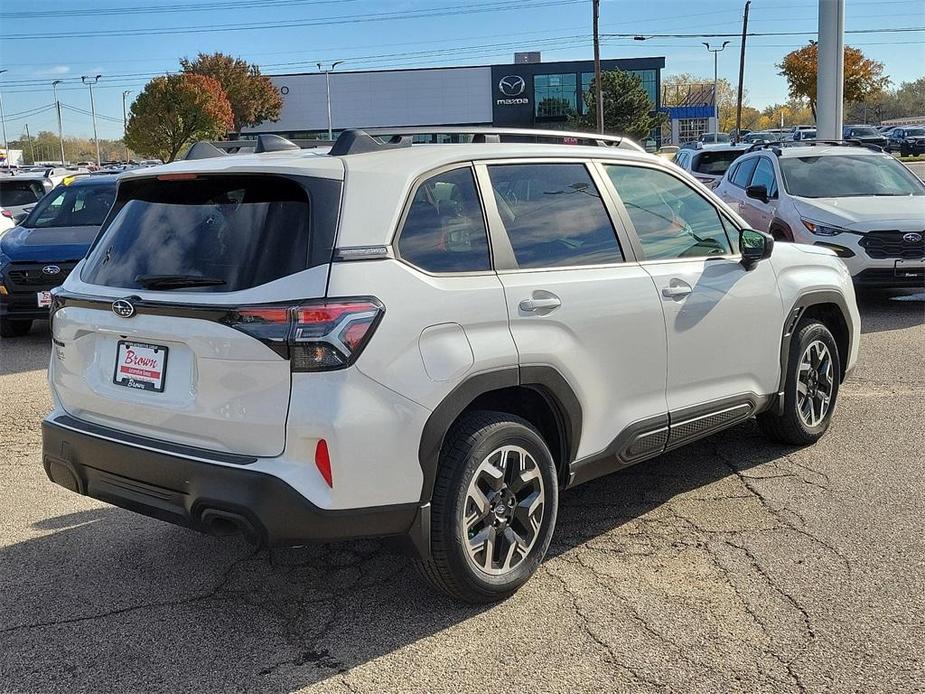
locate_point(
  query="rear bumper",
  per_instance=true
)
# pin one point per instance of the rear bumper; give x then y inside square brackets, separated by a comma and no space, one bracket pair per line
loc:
[178,486]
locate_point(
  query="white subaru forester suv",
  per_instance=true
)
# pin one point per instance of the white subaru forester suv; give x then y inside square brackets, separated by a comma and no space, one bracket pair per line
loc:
[427,341]
[854,199]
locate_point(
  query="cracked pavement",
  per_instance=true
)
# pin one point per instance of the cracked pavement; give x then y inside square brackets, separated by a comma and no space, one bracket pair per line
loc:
[731,565]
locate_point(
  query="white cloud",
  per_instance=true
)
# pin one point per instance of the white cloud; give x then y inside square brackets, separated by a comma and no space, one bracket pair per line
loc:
[58,70]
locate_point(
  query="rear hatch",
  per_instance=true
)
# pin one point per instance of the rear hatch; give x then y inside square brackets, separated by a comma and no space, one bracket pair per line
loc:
[176,325]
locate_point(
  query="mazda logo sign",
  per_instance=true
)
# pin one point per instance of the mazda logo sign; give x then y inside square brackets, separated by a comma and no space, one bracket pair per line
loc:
[123,308]
[913,237]
[51,270]
[512,85]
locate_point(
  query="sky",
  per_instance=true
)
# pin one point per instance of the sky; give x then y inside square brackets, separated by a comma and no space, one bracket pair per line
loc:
[129,41]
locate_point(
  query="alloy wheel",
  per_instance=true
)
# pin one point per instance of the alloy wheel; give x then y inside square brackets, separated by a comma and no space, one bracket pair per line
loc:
[503,512]
[815,383]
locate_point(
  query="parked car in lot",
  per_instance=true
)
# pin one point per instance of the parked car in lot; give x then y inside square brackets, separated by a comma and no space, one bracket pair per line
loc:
[428,341]
[801,134]
[866,134]
[861,203]
[713,138]
[19,193]
[709,162]
[39,254]
[907,140]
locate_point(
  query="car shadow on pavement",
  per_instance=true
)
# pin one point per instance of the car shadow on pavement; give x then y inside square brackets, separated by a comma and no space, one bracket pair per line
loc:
[890,309]
[106,600]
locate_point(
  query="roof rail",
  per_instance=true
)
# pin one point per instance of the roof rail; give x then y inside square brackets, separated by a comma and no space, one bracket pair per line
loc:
[264,143]
[831,143]
[369,139]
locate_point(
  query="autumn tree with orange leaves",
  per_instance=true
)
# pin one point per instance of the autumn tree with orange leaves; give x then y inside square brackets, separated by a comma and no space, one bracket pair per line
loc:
[175,111]
[863,76]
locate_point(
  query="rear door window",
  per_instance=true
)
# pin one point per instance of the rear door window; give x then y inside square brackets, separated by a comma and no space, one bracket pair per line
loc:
[214,233]
[444,229]
[554,215]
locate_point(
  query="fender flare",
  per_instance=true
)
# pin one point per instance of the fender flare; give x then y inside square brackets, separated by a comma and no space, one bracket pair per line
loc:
[803,302]
[545,379]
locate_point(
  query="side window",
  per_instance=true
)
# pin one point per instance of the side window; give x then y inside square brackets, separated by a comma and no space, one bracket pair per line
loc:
[764,176]
[670,218]
[732,171]
[444,230]
[743,172]
[554,215]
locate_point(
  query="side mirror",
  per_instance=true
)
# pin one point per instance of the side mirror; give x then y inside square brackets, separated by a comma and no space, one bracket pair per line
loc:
[755,246]
[757,192]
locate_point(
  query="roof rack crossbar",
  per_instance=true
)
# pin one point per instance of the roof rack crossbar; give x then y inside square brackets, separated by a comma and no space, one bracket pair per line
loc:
[365,140]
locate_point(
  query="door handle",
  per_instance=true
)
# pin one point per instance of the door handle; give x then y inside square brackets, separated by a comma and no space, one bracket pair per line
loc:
[676,289]
[539,303]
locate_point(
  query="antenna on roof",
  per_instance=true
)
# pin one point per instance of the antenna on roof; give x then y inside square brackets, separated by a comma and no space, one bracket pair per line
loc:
[203,150]
[273,143]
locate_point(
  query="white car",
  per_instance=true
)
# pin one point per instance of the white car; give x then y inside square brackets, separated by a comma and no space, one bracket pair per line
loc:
[708,163]
[429,341]
[861,203]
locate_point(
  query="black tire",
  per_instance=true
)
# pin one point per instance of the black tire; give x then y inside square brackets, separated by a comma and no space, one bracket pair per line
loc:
[469,444]
[14,328]
[790,427]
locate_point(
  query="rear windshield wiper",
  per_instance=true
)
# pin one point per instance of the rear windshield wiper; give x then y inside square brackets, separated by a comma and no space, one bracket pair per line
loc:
[177,281]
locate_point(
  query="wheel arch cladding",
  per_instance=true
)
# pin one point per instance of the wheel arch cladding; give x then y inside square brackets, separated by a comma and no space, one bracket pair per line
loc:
[536,393]
[829,308]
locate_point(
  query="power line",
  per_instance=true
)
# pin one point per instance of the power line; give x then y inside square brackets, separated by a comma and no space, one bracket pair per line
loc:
[457,10]
[166,9]
[765,33]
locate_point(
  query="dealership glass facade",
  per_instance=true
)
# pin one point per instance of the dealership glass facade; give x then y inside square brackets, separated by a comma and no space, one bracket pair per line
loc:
[555,96]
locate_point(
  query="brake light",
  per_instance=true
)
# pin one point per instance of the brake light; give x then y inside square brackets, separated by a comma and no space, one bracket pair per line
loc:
[315,337]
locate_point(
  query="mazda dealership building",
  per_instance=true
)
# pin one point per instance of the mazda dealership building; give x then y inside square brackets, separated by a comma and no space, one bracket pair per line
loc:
[528,93]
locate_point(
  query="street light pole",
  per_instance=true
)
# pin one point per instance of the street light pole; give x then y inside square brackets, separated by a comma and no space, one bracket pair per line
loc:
[54,87]
[6,144]
[87,80]
[327,86]
[716,52]
[125,122]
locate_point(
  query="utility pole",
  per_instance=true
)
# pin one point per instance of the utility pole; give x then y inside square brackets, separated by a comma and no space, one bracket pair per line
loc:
[742,72]
[327,86]
[125,122]
[54,87]
[31,143]
[716,52]
[6,144]
[598,87]
[830,70]
[87,80]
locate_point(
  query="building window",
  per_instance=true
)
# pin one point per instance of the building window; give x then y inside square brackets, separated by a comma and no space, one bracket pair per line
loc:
[555,96]
[647,78]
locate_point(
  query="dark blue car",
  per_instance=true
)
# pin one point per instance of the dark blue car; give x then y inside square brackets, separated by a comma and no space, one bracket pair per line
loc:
[39,254]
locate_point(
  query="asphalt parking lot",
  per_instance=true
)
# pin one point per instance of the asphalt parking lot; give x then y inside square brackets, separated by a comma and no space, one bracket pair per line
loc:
[731,565]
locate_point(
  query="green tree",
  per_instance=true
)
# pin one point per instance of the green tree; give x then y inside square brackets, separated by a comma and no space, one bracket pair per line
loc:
[252,96]
[175,111]
[863,76]
[627,108]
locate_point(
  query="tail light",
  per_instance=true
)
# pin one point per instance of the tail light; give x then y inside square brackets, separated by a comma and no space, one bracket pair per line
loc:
[319,336]
[6,213]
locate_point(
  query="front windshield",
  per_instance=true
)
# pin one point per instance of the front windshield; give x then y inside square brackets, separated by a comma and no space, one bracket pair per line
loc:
[73,206]
[864,132]
[847,175]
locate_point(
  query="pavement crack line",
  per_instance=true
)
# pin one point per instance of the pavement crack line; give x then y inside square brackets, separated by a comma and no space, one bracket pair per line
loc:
[211,593]
[586,627]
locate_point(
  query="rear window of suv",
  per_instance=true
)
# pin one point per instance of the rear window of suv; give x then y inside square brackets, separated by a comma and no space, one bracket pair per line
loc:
[14,193]
[214,233]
